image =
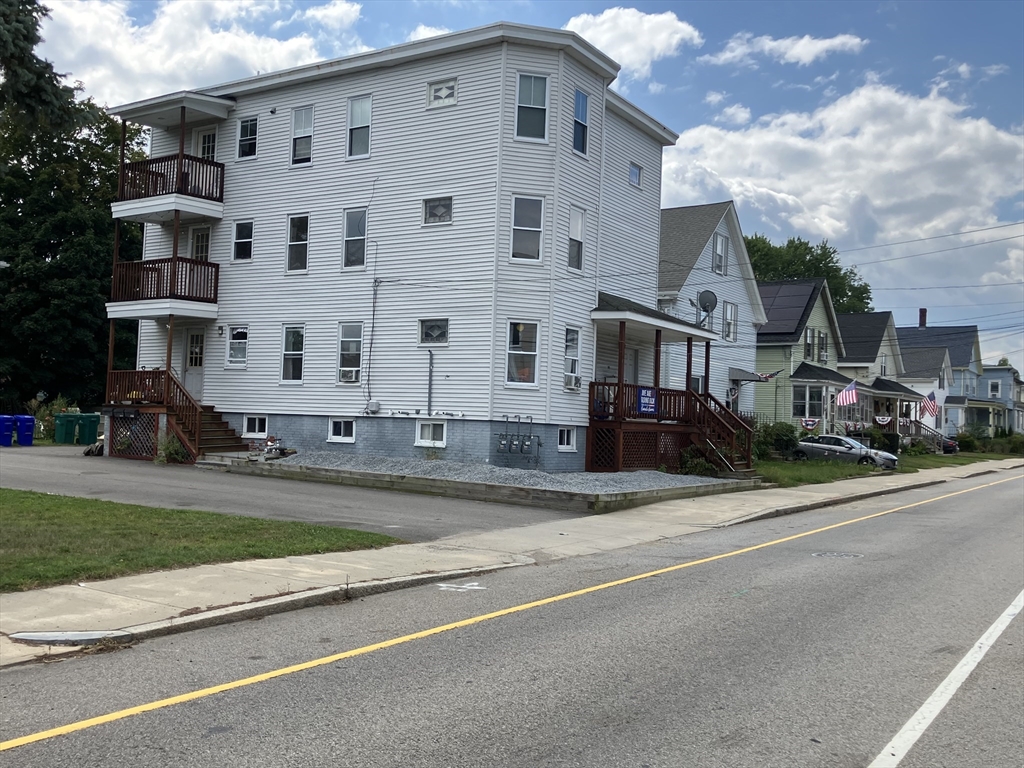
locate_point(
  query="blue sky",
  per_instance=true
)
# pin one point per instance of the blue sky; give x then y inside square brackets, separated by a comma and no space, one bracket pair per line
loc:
[866,123]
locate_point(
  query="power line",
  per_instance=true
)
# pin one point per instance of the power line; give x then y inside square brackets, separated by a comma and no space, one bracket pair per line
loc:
[933,237]
[943,250]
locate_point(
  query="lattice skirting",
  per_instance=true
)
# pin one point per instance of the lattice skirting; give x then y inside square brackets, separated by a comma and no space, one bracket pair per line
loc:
[641,449]
[134,437]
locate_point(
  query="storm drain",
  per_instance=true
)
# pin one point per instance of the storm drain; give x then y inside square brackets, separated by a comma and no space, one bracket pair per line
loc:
[836,554]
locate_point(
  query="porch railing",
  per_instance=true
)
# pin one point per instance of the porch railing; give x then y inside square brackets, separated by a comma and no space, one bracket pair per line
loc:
[169,278]
[159,387]
[743,430]
[160,176]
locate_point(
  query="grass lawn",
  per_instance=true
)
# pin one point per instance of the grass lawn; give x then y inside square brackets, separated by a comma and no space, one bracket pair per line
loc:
[788,474]
[932,460]
[47,539]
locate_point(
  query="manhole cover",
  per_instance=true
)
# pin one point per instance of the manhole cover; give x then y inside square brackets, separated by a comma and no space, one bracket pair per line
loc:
[836,554]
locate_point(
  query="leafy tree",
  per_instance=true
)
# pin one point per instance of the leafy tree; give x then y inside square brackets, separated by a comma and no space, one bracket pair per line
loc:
[798,259]
[31,92]
[1003,361]
[56,240]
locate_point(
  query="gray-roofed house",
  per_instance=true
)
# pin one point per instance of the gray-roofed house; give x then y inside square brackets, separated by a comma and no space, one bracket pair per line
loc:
[702,249]
[801,344]
[927,370]
[1001,385]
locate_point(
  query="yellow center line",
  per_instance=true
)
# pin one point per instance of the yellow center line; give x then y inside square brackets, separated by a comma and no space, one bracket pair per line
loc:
[91,722]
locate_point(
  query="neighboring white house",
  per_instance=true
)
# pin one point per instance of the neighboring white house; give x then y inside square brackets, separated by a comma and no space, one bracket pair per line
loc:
[702,249]
[927,370]
[419,250]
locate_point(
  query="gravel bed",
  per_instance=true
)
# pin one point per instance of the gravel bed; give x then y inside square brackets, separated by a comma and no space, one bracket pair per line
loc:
[573,482]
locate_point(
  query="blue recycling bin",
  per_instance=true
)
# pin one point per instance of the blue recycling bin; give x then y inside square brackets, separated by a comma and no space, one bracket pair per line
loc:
[6,431]
[24,426]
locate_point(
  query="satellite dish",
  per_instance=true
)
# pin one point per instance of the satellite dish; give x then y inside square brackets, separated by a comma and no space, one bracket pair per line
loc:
[708,301]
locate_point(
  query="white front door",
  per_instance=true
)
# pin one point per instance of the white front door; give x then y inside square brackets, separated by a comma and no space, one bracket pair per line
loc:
[632,365]
[192,365]
[206,143]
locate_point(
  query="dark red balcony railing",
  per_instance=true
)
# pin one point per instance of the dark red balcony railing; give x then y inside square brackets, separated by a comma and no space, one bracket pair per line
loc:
[160,176]
[173,278]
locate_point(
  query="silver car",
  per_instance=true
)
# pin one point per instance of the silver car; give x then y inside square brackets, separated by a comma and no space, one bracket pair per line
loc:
[839,448]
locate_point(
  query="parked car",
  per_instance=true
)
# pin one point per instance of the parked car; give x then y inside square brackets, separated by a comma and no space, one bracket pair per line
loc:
[840,448]
[950,446]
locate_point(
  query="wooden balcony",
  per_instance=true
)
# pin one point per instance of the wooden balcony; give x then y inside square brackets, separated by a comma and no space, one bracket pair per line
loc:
[160,176]
[173,278]
[636,427]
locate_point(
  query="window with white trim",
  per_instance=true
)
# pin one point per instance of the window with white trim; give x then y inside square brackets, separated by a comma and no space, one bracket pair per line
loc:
[247,130]
[298,243]
[434,331]
[532,108]
[254,425]
[359,110]
[293,352]
[527,226]
[238,346]
[355,238]
[579,123]
[242,248]
[302,135]
[730,315]
[571,364]
[340,430]
[577,222]
[697,383]
[822,347]
[567,439]
[995,389]
[809,344]
[882,367]
[350,352]
[636,174]
[522,353]
[200,250]
[807,402]
[442,93]
[437,210]
[720,255]
[431,434]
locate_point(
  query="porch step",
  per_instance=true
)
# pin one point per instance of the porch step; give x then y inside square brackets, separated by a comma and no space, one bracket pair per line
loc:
[216,435]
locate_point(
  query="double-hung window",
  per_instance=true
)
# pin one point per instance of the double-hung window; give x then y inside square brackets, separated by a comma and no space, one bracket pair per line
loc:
[302,135]
[359,126]
[994,389]
[247,129]
[730,313]
[527,225]
[238,346]
[579,124]
[355,238]
[571,366]
[883,368]
[243,241]
[720,257]
[807,402]
[809,344]
[298,243]
[350,352]
[532,108]
[577,220]
[522,353]
[822,347]
[294,350]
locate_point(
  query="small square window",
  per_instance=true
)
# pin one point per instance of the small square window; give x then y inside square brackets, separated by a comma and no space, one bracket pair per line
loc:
[431,434]
[254,425]
[635,174]
[433,331]
[243,241]
[437,210]
[567,439]
[342,431]
[442,93]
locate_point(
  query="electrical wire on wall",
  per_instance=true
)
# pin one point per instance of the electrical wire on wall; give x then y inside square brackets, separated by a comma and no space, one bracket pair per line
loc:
[373,305]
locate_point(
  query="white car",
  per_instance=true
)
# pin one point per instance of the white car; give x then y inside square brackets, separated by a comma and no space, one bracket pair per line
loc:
[840,448]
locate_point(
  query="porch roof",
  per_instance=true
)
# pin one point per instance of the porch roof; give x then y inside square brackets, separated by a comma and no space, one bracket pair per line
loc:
[890,387]
[165,111]
[809,372]
[611,310]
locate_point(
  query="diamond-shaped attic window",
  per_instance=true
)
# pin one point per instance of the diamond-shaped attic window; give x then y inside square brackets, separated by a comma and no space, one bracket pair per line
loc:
[437,211]
[442,93]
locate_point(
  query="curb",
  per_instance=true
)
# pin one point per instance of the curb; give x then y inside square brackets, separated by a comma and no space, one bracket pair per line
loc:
[832,502]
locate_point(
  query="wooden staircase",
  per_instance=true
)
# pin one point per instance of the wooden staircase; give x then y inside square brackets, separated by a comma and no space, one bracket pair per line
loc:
[215,436]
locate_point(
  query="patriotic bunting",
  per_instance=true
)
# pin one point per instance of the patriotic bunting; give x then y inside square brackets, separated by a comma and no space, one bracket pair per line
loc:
[809,424]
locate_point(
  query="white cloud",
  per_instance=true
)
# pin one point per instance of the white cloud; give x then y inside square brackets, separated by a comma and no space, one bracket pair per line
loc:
[995,69]
[422,32]
[655,87]
[802,51]
[336,15]
[735,114]
[714,98]
[635,40]
[185,45]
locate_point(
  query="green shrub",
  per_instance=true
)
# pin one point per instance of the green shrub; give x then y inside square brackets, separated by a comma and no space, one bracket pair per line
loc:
[890,442]
[919,448]
[967,441]
[780,436]
[44,413]
[171,451]
[692,462]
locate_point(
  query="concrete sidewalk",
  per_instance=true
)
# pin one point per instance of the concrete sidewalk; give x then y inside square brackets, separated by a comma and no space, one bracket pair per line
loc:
[153,604]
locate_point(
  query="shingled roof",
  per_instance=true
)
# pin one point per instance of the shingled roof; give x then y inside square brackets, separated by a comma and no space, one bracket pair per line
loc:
[684,234]
[923,362]
[863,333]
[788,305]
[958,339]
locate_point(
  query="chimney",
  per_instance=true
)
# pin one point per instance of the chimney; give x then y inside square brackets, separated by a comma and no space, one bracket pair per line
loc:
[922,318]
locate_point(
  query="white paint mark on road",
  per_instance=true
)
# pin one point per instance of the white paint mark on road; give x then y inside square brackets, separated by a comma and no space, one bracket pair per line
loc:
[460,587]
[897,749]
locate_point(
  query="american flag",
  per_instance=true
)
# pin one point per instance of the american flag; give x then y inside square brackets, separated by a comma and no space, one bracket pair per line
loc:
[929,404]
[848,396]
[768,376]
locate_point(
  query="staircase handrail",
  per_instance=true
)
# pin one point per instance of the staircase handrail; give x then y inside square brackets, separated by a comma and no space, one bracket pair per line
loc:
[188,414]
[713,425]
[743,429]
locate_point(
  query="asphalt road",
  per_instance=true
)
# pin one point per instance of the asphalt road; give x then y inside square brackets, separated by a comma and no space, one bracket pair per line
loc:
[776,656]
[412,517]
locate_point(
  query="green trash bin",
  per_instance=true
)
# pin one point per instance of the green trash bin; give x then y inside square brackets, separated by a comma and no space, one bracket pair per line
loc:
[88,428]
[64,425]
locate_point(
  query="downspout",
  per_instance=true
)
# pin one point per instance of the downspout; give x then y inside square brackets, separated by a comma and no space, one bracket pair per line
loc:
[553,126]
[430,381]
[497,234]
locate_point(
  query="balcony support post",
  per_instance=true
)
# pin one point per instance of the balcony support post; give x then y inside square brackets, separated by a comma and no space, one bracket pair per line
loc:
[170,340]
[181,151]
[657,357]
[707,367]
[621,372]
[689,361]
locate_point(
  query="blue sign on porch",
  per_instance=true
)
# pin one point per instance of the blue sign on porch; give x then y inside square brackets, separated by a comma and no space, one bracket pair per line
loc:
[647,400]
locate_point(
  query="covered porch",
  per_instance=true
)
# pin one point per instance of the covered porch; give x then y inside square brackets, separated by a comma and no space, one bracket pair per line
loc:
[635,423]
